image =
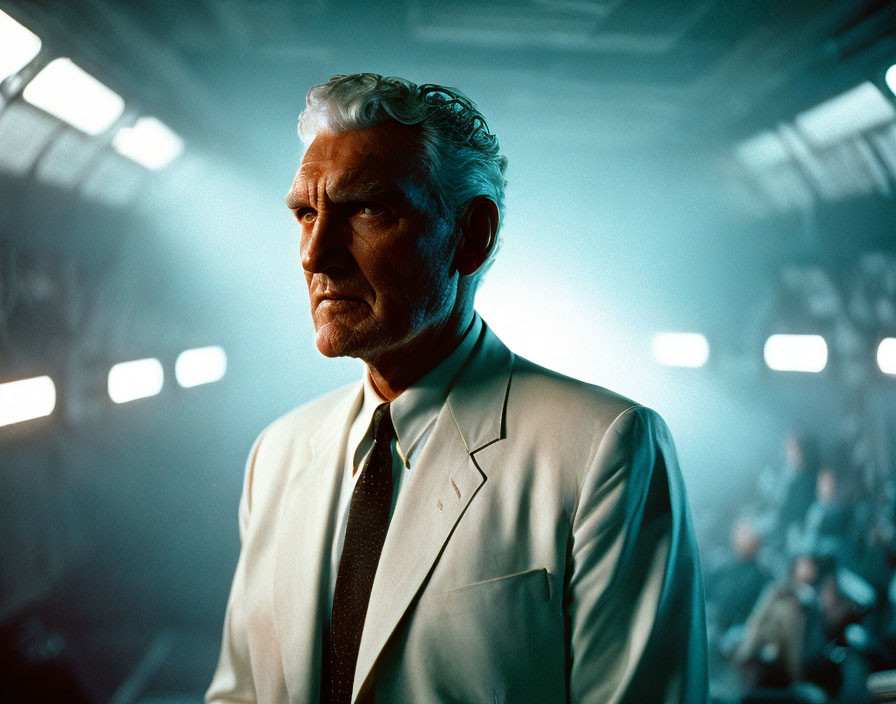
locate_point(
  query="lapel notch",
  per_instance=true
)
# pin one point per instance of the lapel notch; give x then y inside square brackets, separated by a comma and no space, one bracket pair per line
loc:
[477,399]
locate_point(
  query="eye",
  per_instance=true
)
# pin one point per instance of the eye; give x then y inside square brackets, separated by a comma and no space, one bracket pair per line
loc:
[306,215]
[370,209]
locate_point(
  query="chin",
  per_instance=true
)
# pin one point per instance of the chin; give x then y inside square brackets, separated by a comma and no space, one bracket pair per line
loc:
[364,339]
[332,342]
[332,348]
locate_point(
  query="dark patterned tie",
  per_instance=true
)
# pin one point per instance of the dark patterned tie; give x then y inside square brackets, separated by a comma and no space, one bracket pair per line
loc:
[368,519]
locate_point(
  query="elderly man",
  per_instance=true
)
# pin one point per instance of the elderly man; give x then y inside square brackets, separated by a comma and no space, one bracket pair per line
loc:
[462,525]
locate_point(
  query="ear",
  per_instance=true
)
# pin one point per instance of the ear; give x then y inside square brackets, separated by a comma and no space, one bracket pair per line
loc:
[478,231]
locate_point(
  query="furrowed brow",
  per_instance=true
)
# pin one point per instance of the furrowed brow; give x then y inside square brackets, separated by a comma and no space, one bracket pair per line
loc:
[361,191]
[294,201]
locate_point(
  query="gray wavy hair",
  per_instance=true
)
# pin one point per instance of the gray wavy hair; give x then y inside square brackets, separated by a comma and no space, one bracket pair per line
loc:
[461,157]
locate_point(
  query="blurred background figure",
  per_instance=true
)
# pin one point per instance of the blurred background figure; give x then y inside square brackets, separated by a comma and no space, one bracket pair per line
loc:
[781,634]
[799,479]
[825,519]
[733,586]
[715,182]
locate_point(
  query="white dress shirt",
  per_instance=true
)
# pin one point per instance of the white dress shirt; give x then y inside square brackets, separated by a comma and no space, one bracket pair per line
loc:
[413,413]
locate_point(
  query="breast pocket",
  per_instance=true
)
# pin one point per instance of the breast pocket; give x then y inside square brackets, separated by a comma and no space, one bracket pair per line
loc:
[538,580]
[500,639]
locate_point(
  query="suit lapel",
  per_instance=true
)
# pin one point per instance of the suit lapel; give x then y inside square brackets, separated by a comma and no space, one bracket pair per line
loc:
[436,495]
[304,542]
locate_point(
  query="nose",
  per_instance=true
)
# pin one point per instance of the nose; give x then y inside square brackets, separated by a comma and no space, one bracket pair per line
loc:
[323,246]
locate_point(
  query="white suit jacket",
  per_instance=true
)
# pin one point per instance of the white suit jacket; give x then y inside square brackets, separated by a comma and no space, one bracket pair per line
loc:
[540,551]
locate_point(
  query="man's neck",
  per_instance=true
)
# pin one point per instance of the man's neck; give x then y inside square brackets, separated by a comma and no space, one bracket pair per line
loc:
[391,374]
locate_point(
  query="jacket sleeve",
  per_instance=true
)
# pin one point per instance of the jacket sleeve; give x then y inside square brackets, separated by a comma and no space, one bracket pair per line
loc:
[233,681]
[634,597]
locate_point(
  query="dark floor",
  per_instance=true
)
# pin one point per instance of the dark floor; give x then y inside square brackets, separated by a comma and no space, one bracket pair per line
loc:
[82,644]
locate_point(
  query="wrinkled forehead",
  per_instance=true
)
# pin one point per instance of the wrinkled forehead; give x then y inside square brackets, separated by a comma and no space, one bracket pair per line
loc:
[391,149]
[346,185]
[362,161]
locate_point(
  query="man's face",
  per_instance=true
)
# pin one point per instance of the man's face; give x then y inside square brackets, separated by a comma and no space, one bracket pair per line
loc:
[377,256]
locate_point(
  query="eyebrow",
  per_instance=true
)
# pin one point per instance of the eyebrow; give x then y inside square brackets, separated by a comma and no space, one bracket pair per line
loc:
[294,201]
[369,190]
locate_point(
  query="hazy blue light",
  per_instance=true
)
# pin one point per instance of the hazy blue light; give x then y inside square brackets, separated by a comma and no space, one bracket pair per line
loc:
[796,353]
[26,399]
[139,378]
[890,78]
[762,150]
[680,349]
[65,90]
[202,365]
[858,109]
[20,46]
[149,142]
[886,355]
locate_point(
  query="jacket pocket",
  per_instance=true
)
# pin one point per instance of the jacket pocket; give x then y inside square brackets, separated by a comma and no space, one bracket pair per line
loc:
[499,639]
[539,580]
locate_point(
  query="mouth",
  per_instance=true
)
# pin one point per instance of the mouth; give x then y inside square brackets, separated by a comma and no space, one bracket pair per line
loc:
[336,305]
[337,299]
[329,299]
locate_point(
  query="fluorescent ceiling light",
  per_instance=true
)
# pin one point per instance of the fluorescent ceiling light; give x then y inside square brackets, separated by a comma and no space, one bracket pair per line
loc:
[67,91]
[149,142]
[26,399]
[762,150]
[67,159]
[796,353]
[20,46]
[202,365]
[24,134]
[140,378]
[890,78]
[680,349]
[885,146]
[886,355]
[857,110]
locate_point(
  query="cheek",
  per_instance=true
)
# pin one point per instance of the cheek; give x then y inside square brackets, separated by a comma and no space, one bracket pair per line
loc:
[388,265]
[406,271]
[427,259]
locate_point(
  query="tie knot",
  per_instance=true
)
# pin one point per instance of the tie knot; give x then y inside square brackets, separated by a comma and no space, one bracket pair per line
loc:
[382,424]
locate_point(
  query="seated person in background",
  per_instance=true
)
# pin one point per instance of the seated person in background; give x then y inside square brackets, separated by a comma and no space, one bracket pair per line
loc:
[733,587]
[799,478]
[783,627]
[804,629]
[784,495]
[827,520]
[840,660]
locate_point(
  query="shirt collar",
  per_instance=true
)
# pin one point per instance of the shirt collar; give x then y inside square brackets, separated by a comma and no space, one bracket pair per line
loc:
[417,408]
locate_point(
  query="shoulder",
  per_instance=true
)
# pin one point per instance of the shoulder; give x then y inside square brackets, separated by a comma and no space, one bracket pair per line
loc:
[287,441]
[554,386]
[575,409]
[304,421]
[597,437]
[290,436]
